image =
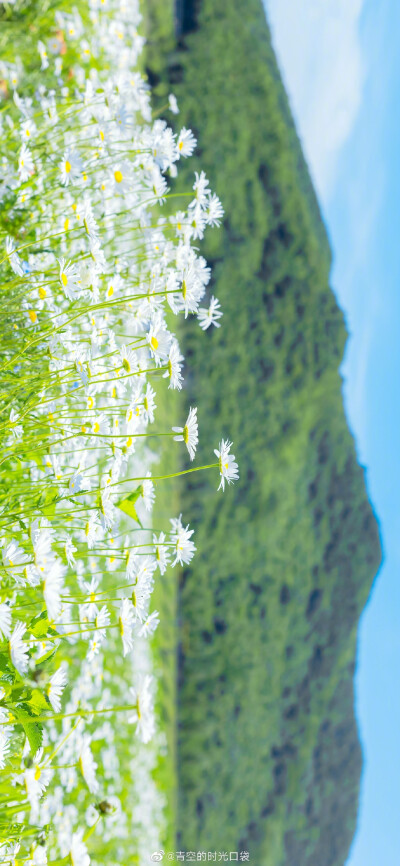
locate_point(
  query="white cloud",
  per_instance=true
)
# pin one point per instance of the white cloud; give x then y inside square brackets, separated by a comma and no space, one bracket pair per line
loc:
[359,291]
[318,48]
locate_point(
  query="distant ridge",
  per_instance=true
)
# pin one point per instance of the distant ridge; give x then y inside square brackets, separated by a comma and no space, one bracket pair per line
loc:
[268,757]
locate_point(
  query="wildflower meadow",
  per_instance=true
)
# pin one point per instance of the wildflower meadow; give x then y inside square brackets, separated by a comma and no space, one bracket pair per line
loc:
[100,267]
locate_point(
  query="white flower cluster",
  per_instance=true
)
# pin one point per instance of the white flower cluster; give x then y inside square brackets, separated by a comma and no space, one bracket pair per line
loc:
[91,275]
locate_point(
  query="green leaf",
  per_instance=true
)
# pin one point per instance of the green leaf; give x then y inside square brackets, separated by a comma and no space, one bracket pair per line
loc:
[48,502]
[46,656]
[7,686]
[127,505]
[19,693]
[33,730]
[38,702]
[4,662]
[33,455]
[41,627]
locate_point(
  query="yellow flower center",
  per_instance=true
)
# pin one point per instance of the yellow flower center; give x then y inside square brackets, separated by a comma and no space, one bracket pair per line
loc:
[64,279]
[118,176]
[185,434]
[32,316]
[154,342]
[38,774]
[42,293]
[68,167]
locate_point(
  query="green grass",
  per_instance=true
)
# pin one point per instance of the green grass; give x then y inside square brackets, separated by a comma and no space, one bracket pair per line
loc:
[268,757]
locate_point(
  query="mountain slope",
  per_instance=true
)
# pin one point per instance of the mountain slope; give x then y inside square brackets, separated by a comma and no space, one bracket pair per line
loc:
[268,753]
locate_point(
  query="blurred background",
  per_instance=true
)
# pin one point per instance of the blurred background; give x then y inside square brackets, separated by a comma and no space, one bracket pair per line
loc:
[276,658]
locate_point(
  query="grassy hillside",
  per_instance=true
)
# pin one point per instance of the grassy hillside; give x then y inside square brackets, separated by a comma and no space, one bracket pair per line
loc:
[268,757]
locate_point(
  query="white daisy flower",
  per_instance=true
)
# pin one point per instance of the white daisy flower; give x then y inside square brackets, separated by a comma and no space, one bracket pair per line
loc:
[143,715]
[102,620]
[192,290]
[55,688]
[43,55]
[78,851]
[162,552]
[149,625]
[70,550]
[91,531]
[227,465]
[128,360]
[184,548]
[88,765]
[69,279]
[172,103]
[5,621]
[37,779]
[186,142]
[70,166]
[13,258]
[14,558]
[214,211]
[19,648]
[201,189]
[174,366]
[107,509]
[189,434]
[25,163]
[209,315]
[159,340]
[27,129]
[126,621]
[149,405]
[148,493]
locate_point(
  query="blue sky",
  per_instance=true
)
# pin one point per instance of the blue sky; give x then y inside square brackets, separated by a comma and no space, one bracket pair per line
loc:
[341,66]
